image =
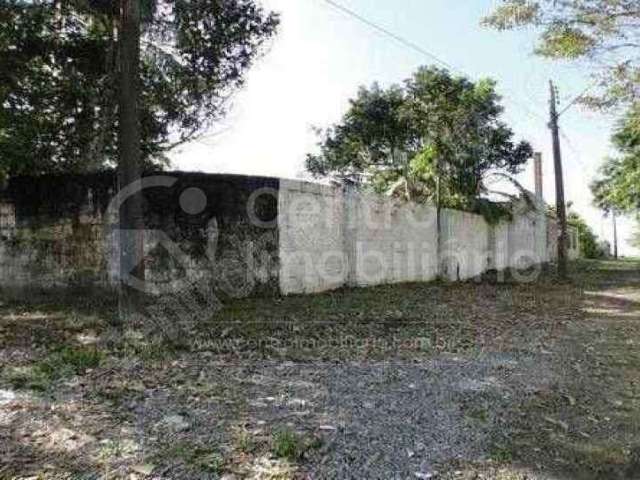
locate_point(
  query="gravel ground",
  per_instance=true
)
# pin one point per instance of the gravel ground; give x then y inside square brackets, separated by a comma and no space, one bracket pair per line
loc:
[401,420]
[382,420]
[544,390]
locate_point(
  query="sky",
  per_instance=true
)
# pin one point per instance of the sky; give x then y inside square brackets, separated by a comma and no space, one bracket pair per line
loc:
[321,56]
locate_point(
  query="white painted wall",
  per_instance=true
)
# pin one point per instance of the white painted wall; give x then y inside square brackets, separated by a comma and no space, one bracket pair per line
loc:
[390,241]
[311,237]
[331,236]
[522,241]
[466,251]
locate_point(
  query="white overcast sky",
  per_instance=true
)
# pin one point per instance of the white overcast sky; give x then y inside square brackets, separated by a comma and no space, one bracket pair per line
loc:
[321,56]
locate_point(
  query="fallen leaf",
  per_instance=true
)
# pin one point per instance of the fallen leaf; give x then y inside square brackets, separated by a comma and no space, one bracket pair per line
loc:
[143,468]
[558,423]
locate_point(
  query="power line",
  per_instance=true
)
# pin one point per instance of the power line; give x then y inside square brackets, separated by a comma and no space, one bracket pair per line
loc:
[417,48]
[573,149]
[389,33]
[578,97]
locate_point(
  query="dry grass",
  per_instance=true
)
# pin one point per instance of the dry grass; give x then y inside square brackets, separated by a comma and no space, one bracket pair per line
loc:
[77,397]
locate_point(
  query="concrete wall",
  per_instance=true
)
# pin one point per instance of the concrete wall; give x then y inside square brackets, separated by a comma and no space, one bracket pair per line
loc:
[573,249]
[52,233]
[311,239]
[390,241]
[466,245]
[218,230]
[243,236]
[332,236]
[573,244]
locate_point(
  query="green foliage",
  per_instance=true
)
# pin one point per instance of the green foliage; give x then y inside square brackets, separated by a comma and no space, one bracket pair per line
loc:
[211,462]
[635,236]
[588,241]
[61,363]
[372,130]
[492,212]
[68,360]
[27,377]
[513,14]
[292,446]
[287,444]
[436,127]
[244,441]
[601,32]
[618,185]
[564,41]
[604,33]
[501,453]
[58,77]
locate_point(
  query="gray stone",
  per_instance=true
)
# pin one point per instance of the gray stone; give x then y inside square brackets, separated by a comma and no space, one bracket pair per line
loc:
[175,423]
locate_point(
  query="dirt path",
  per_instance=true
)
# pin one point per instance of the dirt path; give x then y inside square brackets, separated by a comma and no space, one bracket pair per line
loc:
[466,381]
[588,424]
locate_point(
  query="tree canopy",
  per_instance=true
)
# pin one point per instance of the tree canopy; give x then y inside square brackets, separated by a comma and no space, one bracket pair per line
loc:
[435,127]
[588,240]
[58,62]
[618,185]
[603,33]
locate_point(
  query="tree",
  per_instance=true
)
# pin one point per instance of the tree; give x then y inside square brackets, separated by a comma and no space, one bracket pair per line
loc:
[601,192]
[586,238]
[603,33]
[131,215]
[635,236]
[618,185]
[372,131]
[435,129]
[58,76]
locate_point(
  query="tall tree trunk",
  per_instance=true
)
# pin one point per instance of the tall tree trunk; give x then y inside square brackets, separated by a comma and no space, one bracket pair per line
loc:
[131,220]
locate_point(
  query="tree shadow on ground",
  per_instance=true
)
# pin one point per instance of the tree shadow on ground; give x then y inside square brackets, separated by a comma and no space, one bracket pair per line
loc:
[586,425]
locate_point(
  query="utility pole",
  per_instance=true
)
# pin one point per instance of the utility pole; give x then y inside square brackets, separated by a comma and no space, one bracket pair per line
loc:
[615,234]
[438,219]
[561,212]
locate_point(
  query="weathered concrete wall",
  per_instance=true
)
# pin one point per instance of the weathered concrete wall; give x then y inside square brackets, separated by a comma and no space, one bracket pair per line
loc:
[466,245]
[242,235]
[311,225]
[219,230]
[553,231]
[522,241]
[331,236]
[390,241]
[527,238]
[573,249]
[51,232]
[335,236]
[224,228]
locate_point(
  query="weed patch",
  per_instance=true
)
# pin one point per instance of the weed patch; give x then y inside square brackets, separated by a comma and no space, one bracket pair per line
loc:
[61,363]
[196,457]
[292,446]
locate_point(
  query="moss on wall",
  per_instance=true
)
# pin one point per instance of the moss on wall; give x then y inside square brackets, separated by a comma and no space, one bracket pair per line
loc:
[60,236]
